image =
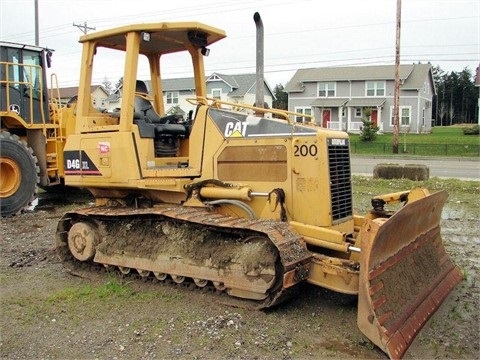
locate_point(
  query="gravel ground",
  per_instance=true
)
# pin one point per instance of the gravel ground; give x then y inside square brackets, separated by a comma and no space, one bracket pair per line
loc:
[48,312]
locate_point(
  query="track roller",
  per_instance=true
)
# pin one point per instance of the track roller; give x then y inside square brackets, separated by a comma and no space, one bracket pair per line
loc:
[200,282]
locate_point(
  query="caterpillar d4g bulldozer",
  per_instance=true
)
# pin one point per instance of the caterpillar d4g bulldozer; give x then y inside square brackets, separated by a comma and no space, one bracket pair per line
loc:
[34,126]
[236,199]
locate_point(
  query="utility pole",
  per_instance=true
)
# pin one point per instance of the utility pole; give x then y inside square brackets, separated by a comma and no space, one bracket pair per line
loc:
[37,36]
[84,28]
[397,81]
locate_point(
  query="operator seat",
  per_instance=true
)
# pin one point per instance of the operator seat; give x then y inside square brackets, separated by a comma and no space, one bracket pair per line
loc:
[166,131]
[143,108]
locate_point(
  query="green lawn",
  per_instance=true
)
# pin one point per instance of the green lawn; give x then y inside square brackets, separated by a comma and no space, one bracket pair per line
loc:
[443,141]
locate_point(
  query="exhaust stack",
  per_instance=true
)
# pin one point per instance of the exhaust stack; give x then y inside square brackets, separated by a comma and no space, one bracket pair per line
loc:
[259,98]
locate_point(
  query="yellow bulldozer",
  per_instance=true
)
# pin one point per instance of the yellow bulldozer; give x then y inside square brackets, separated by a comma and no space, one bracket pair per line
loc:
[237,197]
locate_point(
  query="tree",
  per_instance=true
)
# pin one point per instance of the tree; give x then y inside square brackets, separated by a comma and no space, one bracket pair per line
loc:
[107,85]
[281,101]
[456,97]
[369,130]
[119,83]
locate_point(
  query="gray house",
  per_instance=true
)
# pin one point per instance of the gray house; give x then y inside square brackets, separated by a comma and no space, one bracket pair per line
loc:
[337,97]
[239,88]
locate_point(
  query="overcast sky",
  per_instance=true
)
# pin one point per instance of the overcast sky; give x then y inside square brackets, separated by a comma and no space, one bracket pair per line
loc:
[298,34]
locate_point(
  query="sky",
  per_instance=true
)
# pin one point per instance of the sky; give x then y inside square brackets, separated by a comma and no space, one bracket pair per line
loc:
[297,34]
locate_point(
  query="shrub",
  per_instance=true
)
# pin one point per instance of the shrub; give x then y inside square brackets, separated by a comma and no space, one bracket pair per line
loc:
[473,130]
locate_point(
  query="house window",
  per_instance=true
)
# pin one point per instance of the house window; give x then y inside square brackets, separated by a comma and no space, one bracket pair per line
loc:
[217,93]
[358,112]
[404,114]
[172,97]
[305,111]
[326,89]
[375,88]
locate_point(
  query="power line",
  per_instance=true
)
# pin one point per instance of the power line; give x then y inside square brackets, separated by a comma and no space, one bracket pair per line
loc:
[84,28]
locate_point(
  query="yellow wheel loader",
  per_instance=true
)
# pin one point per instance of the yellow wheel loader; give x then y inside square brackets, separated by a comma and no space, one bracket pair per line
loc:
[239,198]
[33,127]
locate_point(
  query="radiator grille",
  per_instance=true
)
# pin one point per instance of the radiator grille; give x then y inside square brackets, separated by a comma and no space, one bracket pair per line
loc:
[340,179]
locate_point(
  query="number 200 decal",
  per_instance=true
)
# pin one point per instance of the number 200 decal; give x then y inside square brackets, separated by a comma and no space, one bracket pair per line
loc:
[305,150]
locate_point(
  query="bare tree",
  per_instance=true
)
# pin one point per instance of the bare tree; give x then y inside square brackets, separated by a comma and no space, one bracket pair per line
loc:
[107,85]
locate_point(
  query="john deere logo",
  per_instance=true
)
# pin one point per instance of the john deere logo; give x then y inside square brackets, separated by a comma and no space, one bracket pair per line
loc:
[14,108]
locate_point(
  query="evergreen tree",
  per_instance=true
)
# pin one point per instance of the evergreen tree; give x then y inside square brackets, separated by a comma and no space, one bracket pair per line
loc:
[281,101]
[369,130]
[456,100]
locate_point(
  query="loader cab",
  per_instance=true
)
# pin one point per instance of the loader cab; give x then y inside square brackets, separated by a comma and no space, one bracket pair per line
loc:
[23,92]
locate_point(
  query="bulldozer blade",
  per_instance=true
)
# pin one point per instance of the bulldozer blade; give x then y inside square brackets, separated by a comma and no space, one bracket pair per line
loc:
[405,274]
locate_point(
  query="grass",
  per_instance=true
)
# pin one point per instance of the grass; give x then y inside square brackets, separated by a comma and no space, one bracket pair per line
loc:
[465,194]
[112,289]
[442,141]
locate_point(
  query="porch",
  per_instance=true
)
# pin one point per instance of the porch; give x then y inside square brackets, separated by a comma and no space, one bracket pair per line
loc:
[344,114]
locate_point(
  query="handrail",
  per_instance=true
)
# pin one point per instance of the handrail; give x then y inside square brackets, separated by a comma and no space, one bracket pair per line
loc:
[283,113]
[57,101]
[27,69]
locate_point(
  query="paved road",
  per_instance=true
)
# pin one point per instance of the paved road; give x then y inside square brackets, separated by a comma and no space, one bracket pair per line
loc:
[467,168]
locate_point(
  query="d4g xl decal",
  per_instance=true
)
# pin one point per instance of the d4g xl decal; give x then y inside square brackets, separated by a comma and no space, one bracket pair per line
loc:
[78,163]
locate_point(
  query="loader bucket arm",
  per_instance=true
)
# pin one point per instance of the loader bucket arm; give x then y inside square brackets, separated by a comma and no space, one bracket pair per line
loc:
[405,274]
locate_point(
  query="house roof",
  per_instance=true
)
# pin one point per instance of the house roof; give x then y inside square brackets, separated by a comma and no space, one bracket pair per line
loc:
[355,102]
[412,75]
[329,102]
[240,84]
[178,84]
[366,102]
[417,77]
[68,92]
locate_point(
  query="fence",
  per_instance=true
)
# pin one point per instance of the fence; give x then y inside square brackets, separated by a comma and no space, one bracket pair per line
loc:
[467,150]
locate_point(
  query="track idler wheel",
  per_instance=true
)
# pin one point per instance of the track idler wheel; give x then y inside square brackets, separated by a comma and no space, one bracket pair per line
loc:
[82,241]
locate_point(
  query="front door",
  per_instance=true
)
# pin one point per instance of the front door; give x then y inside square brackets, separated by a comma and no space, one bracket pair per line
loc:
[326,117]
[373,117]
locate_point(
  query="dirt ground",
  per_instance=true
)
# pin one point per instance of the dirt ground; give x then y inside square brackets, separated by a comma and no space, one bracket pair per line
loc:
[49,313]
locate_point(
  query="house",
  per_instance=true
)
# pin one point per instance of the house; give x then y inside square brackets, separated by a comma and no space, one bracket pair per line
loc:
[239,88]
[99,95]
[338,97]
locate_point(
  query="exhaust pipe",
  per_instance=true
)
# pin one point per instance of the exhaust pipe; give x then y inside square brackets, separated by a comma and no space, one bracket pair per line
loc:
[259,98]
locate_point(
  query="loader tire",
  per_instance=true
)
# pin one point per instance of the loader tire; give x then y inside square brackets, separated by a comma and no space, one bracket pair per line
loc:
[19,174]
